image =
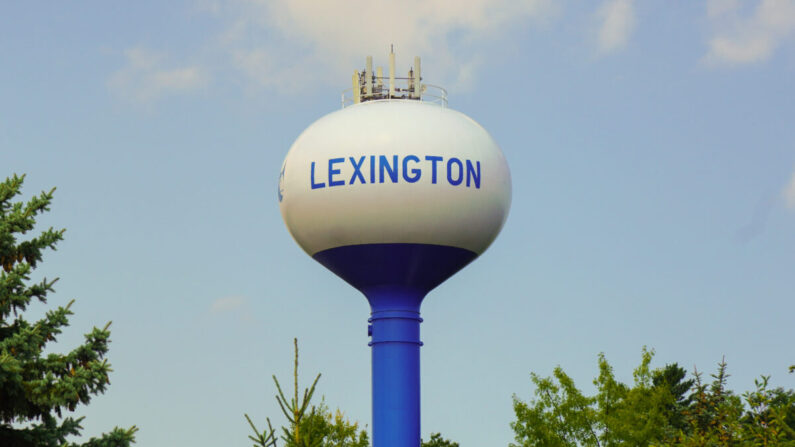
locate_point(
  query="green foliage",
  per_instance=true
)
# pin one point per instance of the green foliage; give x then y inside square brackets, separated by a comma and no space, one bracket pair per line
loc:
[717,417]
[308,426]
[770,419]
[673,377]
[561,415]
[438,441]
[660,408]
[36,389]
[713,415]
[333,430]
[316,426]
[295,410]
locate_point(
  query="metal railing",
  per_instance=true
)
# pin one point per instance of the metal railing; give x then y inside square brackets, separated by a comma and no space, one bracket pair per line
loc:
[430,93]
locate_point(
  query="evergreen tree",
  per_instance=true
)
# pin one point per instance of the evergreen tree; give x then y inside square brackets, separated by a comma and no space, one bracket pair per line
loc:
[718,417]
[672,377]
[308,426]
[36,389]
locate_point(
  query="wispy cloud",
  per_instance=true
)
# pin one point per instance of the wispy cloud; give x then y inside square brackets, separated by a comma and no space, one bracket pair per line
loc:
[286,44]
[616,20]
[740,38]
[298,46]
[227,304]
[144,79]
[789,193]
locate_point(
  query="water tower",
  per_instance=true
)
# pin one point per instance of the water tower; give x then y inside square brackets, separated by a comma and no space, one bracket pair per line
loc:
[394,193]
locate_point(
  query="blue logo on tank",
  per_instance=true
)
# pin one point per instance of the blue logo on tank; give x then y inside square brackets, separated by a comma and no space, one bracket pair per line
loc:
[280,190]
[343,171]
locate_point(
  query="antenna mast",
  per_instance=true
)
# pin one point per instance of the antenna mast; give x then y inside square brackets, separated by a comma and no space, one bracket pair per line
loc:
[370,86]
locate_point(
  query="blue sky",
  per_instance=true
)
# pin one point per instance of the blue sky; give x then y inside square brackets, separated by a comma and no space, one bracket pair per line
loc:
[652,153]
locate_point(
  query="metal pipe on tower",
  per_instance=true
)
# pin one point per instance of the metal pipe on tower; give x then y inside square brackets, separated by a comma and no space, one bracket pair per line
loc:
[391,73]
[417,78]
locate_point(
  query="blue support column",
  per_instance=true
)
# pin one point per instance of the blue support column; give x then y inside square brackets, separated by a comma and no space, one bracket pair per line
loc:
[395,278]
[395,330]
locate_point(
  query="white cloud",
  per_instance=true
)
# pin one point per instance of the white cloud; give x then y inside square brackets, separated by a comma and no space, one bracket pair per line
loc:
[617,21]
[227,304]
[748,38]
[789,193]
[143,79]
[289,43]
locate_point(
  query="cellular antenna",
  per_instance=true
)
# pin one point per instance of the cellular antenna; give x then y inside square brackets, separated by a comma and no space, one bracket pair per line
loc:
[394,193]
[370,86]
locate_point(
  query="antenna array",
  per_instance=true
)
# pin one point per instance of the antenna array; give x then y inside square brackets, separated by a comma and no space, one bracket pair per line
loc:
[369,85]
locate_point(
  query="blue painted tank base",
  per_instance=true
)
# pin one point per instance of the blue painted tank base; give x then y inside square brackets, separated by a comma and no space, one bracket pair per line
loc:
[420,267]
[395,278]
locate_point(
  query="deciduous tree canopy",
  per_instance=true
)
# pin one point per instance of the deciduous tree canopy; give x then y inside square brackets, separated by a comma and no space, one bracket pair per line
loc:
[660,408]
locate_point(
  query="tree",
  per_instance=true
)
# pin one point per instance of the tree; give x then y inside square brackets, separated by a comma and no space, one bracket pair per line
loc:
[308,426]
[333,430]
[660,408]
[673,377]
[36,389]
[718,417]
[438,441]
[316,426]
[561,415]
[713,416]
[770,419]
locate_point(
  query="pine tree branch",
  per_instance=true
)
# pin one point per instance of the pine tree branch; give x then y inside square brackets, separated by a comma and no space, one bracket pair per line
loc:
[282,401]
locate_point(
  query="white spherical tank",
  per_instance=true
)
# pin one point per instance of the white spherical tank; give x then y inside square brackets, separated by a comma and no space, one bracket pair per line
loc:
[396,172]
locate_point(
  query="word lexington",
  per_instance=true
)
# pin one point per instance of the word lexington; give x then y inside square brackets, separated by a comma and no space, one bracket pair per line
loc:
[385,169]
